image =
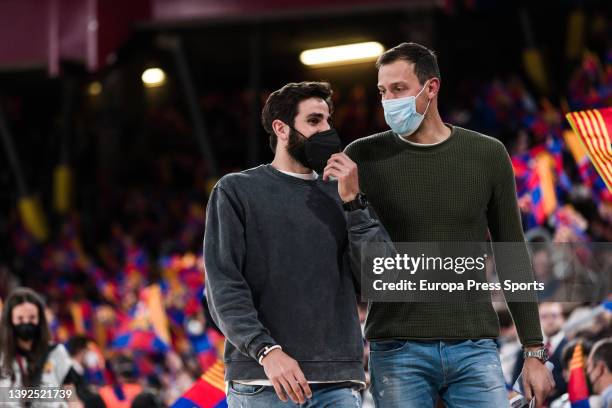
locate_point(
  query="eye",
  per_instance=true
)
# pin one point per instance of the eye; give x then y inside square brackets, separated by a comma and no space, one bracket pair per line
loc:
[381,91]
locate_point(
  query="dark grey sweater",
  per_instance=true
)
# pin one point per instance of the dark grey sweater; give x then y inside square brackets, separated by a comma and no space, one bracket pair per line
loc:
[278,270]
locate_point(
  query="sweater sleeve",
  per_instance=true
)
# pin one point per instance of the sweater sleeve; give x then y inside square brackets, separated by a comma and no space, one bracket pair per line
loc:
[227,292]
[364,228]
[510,251]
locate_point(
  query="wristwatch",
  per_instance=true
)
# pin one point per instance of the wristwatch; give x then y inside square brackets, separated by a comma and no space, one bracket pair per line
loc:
[541,354]
[358,203]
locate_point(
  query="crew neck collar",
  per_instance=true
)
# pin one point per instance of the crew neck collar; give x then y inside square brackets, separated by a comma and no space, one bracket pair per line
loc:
[427,148]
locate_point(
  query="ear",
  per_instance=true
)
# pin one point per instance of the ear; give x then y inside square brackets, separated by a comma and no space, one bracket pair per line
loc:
[280,129]
[433,87]
[601,364]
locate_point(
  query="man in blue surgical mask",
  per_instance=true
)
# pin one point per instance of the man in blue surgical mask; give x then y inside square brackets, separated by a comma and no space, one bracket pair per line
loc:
[429,181]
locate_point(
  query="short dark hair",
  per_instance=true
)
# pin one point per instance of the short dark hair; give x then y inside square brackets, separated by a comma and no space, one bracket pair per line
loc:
[424,59]
[282,104]
[602,351]
[146,399]
[77,344]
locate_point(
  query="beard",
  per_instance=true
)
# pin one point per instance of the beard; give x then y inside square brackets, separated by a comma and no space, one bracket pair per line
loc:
[296,147]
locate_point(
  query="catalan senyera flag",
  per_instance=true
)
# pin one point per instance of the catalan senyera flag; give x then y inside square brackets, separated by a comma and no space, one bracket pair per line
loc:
[594,128]
[206,392]
[577,384]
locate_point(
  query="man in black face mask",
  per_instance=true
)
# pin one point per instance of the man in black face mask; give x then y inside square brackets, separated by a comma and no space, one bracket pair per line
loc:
[278,248]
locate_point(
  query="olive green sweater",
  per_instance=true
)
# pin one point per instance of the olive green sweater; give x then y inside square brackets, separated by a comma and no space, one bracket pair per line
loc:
[451,191]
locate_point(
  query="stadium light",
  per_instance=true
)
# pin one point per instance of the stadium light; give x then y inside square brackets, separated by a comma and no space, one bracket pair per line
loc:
[94,88]
[342,54]
[153,77]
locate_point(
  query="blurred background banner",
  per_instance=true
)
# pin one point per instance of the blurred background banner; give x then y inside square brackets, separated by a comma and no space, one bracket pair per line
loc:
[45,32]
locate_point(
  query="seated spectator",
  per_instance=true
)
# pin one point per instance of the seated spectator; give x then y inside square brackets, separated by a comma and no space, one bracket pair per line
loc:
[599,370]
[566,356]
[126,388]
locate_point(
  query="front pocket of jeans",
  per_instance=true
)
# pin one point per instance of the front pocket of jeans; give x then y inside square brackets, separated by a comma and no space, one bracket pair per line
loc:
[387,346]
[488,344]
[245,389]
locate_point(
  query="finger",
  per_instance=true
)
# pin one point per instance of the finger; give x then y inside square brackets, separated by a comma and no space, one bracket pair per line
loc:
[333,167]
[331,171]
[551,379]
[340,169]
[342,157]
[297,389]
[288,390]
[345,160]
[304,384]
[279,391]
[341,160]
[338,164]
[540,396]
[527,388]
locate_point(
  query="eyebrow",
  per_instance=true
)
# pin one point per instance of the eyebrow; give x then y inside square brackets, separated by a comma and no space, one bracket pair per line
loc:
[315,116]
[394,84]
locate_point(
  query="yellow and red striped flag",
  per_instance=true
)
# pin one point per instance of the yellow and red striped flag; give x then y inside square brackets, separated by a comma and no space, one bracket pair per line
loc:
[594,127]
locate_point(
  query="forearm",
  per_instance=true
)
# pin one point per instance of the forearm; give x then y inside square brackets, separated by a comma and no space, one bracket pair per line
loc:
[228,293]
[510,250]
[235,315]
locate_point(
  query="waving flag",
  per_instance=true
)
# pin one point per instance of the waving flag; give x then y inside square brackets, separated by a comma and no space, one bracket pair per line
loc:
[207,392]
[594,128]
[587,172]
[577,385]
[140,340]
[152,297]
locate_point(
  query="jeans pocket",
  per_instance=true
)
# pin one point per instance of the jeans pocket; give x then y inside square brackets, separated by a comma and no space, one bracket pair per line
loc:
[488,344]
[245,389]
[387,346]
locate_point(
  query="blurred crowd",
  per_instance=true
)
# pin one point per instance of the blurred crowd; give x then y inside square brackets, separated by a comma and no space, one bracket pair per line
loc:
[123,280]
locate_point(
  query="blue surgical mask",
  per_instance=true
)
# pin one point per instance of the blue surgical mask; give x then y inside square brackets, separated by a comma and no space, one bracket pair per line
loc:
[401,114]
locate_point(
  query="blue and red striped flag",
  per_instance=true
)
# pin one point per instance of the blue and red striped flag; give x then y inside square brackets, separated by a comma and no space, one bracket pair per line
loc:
[577,385]
[140,340]
[207,392]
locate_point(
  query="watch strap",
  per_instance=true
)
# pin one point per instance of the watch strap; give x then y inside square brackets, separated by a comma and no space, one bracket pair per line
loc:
[541,354]
[358,203]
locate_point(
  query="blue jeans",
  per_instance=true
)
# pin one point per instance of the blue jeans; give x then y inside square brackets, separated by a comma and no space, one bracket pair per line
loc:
[412,374]
[341,395]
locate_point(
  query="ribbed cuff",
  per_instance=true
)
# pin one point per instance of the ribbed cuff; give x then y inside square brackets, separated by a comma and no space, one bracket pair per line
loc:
[359,218]
[257,343]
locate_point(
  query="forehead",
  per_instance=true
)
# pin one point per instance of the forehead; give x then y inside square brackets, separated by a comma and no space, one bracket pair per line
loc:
[313,106]
[397,71]
[25,309]
[550,307]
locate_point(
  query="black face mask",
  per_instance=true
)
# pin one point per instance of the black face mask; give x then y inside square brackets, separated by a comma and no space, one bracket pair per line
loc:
[26,331]
[314,151]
